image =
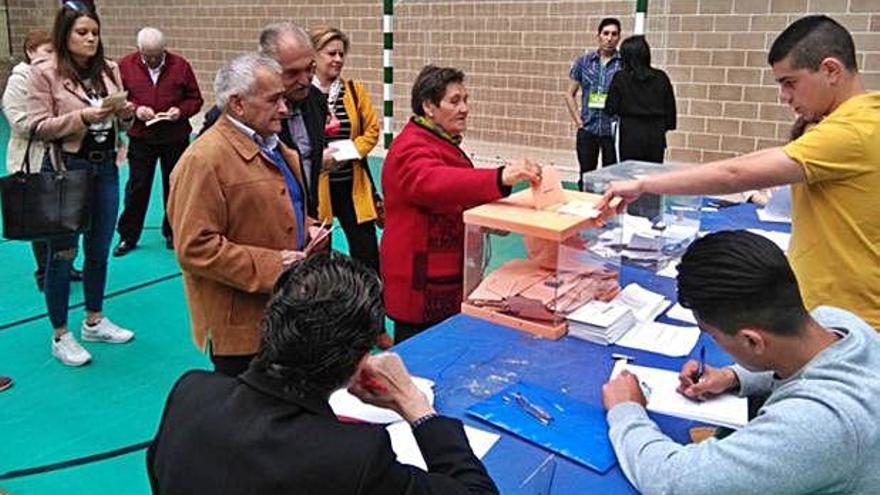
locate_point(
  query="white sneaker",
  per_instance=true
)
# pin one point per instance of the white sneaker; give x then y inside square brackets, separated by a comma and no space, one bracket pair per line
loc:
[67,350]
[105,331]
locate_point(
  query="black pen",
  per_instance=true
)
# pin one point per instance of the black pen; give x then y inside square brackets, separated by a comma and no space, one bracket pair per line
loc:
[701,368]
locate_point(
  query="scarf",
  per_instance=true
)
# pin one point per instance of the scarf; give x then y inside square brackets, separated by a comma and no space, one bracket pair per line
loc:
[429,124]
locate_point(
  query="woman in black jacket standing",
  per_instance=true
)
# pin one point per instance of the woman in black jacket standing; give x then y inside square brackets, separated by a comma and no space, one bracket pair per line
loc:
[642,100]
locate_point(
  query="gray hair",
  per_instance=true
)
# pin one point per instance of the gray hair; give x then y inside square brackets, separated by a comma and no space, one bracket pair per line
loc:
[150,37]
[239,76]
[272,34]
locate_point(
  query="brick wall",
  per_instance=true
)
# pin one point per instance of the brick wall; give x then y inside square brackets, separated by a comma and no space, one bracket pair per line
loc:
[517,54]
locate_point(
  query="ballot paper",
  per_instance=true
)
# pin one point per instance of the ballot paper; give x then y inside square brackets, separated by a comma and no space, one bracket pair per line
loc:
[669,340]
[549,191]
[679,313]
[159,117]
[579,208]
[344,150]
[660,387]
[348,406]
[645,305]
[670,270]
[404,443]
[766,215]
[781,239]
[116,101]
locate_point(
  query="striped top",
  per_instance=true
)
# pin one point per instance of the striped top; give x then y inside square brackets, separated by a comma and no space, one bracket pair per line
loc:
[337,108]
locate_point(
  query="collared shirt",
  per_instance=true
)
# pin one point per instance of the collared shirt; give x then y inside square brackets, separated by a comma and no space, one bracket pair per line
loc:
[154,73]
[269,148]
[595,77]
[300,135]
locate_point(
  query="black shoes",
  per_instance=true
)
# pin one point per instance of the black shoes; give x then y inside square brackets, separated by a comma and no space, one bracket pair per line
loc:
[124,247]
[169,243]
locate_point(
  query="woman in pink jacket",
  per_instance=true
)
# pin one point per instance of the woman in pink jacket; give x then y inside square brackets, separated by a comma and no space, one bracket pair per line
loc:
[65,103]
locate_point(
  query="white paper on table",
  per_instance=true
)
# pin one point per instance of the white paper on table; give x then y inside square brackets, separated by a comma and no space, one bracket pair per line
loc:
[679,313]
[346,405]
[344,150]
[769,216]
[404,443]
[670,270]
[645,305]
[663,397]
[670,340]
[781,239]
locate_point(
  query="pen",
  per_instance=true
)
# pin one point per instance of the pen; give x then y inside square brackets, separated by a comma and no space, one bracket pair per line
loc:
[701,368]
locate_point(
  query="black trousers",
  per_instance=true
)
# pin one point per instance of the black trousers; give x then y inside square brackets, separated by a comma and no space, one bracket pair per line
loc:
[41,256]
[231,365]
[142,158]
[588,147]
[362,242]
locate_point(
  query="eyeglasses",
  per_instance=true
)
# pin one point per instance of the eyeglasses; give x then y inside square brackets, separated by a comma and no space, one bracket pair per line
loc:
[76,6]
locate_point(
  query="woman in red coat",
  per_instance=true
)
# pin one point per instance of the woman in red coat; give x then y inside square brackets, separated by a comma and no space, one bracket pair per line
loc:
[428,182]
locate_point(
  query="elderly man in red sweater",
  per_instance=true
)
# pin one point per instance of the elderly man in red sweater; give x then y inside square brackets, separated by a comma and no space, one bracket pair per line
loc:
[164,88]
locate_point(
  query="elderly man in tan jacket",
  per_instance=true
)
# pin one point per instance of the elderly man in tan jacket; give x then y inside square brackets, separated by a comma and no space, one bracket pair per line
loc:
[237,208]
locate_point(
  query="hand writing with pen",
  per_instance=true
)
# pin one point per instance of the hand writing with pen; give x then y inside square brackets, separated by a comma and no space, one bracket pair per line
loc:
[710,383]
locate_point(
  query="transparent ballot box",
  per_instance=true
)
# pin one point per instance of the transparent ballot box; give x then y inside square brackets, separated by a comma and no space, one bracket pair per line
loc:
[529,268]
[656,229]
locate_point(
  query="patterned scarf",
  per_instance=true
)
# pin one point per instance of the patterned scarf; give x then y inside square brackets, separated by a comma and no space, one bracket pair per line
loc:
[429,124]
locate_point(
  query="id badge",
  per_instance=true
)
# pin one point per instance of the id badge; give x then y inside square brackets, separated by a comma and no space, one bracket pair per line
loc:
[597,100]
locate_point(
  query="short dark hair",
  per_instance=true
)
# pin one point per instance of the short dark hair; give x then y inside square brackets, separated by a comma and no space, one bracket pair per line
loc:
[608,21]
[810,40]
[323,318]
[431,85]
[737,279]
[636,55]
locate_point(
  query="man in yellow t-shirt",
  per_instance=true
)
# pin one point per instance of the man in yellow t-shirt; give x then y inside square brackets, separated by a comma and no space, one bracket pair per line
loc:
[834,169]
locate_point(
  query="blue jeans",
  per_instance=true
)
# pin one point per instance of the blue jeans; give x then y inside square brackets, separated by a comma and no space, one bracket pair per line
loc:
[96,244]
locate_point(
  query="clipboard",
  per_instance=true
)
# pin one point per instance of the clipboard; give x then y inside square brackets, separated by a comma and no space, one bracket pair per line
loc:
[576,430]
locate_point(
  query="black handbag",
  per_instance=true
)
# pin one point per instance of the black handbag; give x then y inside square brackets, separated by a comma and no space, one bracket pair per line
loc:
[44,205]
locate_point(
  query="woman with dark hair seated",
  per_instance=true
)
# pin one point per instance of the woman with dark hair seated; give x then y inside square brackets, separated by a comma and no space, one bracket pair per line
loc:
[428,181]
[271,429]
[642,99]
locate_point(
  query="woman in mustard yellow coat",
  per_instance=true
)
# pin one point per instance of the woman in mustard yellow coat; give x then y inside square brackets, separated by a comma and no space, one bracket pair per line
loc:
[345,188]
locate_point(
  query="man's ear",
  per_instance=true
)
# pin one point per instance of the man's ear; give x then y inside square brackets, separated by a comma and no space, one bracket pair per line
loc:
[235,106]
[833,69]
[754,340]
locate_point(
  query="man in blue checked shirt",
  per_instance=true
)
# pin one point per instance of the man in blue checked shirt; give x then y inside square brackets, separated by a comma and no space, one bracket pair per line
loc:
[591,74]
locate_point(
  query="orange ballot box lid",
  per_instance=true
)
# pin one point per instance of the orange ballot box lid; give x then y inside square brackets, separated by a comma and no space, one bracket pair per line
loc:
[558,222]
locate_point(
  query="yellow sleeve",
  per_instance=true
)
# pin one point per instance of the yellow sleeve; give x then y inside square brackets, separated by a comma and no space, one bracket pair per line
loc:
[833,149]
[369,122]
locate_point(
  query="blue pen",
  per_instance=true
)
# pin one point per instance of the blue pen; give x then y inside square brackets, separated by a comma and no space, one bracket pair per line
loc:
[702,365]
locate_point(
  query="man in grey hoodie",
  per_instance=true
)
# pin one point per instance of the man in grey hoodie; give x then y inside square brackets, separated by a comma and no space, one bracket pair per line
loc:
[817,432]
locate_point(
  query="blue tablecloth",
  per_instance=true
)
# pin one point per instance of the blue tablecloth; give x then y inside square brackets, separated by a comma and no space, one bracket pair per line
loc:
[471,359]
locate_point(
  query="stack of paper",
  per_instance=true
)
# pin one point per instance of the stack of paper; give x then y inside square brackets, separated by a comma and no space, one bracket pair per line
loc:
[645,305]
[669,340]
[600,322]
[660,388]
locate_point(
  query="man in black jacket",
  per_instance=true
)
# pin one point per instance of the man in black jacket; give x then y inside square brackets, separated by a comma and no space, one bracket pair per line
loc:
[271,429]
[290,45]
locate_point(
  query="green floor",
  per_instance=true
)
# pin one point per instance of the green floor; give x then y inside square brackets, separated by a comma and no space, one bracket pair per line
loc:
[55,414]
